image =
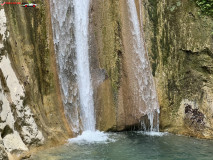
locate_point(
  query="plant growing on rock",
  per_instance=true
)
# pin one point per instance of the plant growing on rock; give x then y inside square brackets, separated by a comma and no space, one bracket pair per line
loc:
[206,6]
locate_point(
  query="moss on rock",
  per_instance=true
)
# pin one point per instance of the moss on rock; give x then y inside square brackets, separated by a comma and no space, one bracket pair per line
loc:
[184,58]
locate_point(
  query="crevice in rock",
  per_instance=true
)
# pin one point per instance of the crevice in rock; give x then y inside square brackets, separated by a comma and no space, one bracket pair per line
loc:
[188,51]
[3,82]
[7,130]
[1,104]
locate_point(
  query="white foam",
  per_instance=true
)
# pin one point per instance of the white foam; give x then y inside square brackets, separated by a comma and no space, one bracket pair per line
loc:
[152,133]
[92,137]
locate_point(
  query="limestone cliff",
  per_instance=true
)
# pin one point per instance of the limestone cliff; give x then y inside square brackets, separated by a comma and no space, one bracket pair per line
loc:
[179,41]
[118,101]
[31,107]
[179,44]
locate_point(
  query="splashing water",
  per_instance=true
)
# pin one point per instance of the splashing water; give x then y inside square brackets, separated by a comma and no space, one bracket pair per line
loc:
[92,137]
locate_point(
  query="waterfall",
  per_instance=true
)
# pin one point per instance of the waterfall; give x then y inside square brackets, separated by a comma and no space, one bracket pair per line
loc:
[145,90]
[70,32]
[70,21]
[83,67]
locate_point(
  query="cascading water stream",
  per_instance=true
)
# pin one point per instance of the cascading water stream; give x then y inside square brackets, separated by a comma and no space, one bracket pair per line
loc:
[145,91]
[70,27]
[83,67]
[64,42]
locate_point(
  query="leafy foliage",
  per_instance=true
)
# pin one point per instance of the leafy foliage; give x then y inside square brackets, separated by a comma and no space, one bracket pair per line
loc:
[206,6]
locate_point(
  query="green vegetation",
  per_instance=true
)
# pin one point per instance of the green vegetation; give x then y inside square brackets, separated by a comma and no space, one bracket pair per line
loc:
[153,14]
[206,6]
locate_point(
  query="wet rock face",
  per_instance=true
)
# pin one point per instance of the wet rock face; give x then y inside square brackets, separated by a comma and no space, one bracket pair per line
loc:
[179,42]
[105,43]
[119,97]
[18,129]
[31,109]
